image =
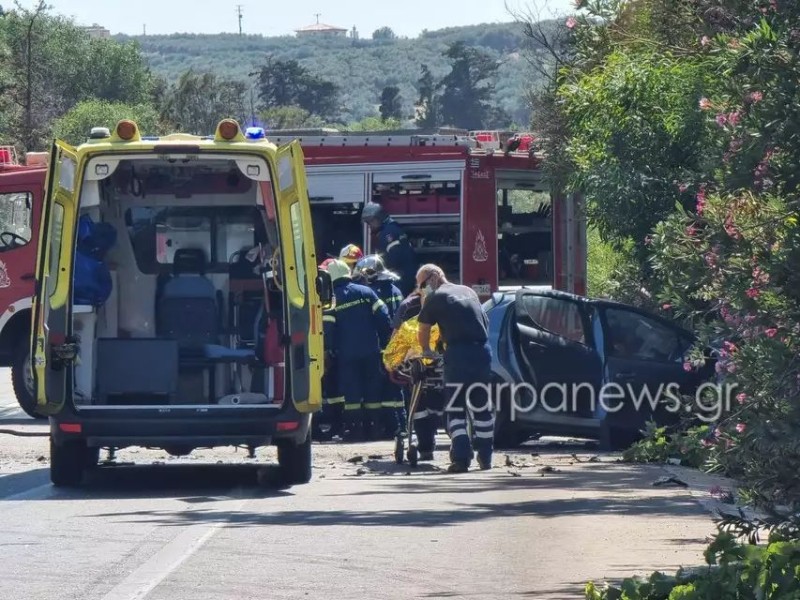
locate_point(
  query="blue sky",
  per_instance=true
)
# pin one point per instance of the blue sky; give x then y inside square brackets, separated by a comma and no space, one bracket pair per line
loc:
[406,17]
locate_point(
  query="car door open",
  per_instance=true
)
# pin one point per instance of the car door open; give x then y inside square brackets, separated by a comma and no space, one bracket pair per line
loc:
[556,354]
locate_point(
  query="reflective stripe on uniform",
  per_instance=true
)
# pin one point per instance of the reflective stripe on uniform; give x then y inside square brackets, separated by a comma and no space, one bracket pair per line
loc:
[329,319]
[350,304]
[337,400]
[392,245]
[372,405]
[458,432]
[422,414]
[352,406]
[484,434]
[377,305]
[393,404]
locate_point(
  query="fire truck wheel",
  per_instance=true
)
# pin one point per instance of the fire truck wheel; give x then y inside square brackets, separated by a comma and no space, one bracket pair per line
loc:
[68,463]
[22,379]
[294,460]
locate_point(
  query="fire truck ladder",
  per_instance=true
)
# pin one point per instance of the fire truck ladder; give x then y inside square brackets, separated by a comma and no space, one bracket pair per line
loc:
[374,140]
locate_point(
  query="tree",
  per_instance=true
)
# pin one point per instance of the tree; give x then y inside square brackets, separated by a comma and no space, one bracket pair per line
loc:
[384,34]
[75,125]
[51,64]
[391,103]
[469,87]
[290,117]
[199,101]
[375,124]
[428,104]
[288,83]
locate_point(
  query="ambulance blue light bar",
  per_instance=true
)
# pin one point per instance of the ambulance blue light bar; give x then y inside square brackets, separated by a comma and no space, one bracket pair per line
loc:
[255,133]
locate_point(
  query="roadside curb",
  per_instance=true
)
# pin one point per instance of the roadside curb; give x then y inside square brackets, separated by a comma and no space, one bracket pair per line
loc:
[699,488]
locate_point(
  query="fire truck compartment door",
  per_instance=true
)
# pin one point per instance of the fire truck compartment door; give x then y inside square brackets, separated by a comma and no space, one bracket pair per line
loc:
[302,306]
[53,349]
[521,180]
[336,188]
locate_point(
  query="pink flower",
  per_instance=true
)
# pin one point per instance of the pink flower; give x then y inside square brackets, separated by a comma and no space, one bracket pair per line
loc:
[701,201]
[666,306]
[572,22]
[752,293]
[734,117]
[705,104]
[741,398]
[755,97]
[731,367]
[705,40]
[721,120]
[683,187]
[740,427]
[691,231]
[771,332]
[730,347]
[687,366]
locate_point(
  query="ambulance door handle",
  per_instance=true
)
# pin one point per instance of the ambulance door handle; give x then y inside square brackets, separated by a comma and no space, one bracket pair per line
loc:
[28,277]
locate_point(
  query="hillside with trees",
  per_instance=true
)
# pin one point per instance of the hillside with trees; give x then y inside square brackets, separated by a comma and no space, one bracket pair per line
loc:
[360,68]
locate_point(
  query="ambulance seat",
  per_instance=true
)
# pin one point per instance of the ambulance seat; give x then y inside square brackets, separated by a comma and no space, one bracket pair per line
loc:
[188,312]
[187,309]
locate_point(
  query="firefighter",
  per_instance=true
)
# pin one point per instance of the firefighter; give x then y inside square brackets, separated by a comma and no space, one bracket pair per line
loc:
[333,400]
[351,254]
[361,328]
[392,244]
[372,272]
[463,327]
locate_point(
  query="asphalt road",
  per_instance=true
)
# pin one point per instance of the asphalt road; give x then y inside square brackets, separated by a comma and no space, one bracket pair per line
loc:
[195,529]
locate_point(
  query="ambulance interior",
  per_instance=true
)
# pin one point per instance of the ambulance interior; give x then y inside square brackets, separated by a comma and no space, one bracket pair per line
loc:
[192,286]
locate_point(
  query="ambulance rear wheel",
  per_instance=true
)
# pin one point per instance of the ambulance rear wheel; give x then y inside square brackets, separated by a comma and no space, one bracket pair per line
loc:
[22,379]
[294,460]
[68,463]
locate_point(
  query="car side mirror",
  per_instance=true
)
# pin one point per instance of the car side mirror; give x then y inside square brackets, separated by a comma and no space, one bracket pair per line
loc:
[324,288]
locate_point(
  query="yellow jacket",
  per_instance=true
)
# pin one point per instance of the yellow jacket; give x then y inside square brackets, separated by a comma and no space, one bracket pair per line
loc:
[404,344]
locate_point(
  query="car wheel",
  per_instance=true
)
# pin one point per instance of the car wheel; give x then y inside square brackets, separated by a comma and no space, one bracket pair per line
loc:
[68,463]
[22,379]
[294,460]
[507,434]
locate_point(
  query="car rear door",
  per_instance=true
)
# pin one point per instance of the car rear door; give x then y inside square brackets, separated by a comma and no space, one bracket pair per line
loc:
[644,355]
[302,306]
[556,353]
[52,349]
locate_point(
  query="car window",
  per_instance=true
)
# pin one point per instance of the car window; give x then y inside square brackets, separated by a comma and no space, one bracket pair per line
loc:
[555,315]
[633,335]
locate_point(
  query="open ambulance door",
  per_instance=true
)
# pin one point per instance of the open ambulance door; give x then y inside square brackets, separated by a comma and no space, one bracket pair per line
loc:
[303,310]
[53,349]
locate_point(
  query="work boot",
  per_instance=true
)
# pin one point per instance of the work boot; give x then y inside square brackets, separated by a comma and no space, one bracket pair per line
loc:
[458,467]
[485,463]
[425,456]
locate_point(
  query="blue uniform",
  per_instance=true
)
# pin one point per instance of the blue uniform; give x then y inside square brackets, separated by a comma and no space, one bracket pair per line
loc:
[392,397]
[398,254]
[360,330]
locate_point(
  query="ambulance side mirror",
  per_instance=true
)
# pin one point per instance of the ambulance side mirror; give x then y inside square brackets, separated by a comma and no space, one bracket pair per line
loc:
[324,288]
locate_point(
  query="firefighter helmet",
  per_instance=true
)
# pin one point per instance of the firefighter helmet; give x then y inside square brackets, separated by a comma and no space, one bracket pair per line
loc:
[338,269]
[371,268]
[351,254]
[373,212]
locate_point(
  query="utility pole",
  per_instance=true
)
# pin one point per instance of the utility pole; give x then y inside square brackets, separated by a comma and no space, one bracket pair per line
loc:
[239,13]
[317,15]
[144,30]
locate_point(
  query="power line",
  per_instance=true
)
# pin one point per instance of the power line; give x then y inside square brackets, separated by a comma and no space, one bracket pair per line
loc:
[239,13]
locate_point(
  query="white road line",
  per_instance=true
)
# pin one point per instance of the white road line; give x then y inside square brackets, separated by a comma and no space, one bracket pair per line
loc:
[147,576]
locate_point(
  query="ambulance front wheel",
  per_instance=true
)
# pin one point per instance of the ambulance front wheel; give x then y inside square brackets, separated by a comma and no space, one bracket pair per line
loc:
[68,462]
[294,460]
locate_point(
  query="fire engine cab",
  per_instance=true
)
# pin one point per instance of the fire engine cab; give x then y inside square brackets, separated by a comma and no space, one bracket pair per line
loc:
[21,190]
[475,204]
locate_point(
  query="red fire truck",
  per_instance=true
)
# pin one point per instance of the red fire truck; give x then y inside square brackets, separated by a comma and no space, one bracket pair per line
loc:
[21,190]
[485,215]
[481,212]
